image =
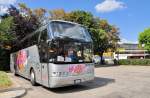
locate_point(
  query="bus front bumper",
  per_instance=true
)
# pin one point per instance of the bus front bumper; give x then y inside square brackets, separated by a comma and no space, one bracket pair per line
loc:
[69,80]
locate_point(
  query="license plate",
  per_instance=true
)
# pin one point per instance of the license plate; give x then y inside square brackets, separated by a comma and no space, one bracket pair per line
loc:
[77,81]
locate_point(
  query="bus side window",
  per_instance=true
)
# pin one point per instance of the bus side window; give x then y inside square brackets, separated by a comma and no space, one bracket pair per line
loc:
[25,44]
[52,51]
[34,39]
[43,46]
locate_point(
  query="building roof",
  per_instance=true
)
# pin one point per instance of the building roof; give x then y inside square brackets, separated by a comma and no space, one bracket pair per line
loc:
[129,46]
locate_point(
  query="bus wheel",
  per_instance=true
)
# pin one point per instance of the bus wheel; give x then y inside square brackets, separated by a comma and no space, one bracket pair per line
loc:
[32,77]
[15,73]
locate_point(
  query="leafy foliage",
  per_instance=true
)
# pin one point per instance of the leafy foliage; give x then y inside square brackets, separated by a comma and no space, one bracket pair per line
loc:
[81,17]
[134,62]
[57,14]
[5,29]
[144,38]
[16,25]
[24,24]
[6,37]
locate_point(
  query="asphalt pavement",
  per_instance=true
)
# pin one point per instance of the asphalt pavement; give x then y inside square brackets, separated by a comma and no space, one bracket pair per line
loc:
[110,82]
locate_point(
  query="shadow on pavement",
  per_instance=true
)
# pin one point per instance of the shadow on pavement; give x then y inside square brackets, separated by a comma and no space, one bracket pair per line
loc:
[97,66]
[98,82]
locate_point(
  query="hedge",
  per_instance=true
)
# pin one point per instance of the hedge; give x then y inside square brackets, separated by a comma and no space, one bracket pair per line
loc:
[134,62]
[4,63]
[4,60]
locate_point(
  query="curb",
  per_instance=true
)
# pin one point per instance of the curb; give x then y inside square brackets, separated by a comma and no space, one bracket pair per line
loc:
[15,91]
[21,95]
[10,89]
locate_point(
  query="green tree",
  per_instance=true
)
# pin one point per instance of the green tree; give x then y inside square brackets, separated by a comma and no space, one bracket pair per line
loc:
[6,36]
[25,20]
[40,14]
[105,39]
[57,14]
[16,25]
[81,17]
[144,38]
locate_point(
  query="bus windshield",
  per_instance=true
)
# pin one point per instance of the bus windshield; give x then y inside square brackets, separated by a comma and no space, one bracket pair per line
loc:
[70,30]
[70,52]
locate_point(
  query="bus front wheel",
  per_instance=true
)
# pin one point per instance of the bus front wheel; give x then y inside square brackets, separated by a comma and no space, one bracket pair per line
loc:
[32,77]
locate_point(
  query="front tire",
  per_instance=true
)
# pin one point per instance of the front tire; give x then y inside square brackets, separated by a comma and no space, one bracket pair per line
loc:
[32,77]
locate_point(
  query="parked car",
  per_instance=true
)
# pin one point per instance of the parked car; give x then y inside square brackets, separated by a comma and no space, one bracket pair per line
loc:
[109,60]
[96,59]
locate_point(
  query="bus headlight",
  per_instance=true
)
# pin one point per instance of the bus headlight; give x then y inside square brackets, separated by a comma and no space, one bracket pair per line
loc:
[59,74]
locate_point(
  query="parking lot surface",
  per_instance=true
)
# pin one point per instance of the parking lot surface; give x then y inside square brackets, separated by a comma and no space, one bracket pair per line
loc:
[110,82]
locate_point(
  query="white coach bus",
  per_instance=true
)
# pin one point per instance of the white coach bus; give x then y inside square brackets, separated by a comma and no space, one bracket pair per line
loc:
[56,55]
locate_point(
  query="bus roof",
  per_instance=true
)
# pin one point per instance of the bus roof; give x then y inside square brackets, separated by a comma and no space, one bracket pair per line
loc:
[65,22]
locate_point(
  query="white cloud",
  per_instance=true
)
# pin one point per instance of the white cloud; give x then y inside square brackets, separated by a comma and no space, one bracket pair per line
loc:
[3,9]
[109,5]
[7,2]
[4,5]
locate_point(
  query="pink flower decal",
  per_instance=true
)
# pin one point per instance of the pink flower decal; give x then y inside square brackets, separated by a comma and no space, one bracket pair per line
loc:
[21,59]
[77,69]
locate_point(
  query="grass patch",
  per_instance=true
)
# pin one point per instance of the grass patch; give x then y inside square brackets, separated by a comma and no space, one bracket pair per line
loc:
[4,80]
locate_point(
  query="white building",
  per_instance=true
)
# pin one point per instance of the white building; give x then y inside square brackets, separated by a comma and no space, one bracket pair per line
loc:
[130,51]
[0,19]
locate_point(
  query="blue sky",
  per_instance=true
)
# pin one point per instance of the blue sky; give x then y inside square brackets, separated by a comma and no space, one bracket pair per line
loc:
[131,16]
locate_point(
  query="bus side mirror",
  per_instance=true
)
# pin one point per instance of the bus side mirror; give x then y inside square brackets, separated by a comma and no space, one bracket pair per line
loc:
[49,43]
[52,43]
[42,41]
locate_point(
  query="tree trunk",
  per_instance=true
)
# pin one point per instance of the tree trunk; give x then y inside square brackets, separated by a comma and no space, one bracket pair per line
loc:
[101,56]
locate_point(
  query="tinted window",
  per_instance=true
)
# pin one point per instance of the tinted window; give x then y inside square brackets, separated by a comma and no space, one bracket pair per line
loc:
[43,46]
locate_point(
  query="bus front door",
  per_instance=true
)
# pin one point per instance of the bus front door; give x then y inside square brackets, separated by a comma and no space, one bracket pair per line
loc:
[45,78]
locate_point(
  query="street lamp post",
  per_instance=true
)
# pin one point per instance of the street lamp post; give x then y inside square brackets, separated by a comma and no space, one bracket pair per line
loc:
[143,45]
